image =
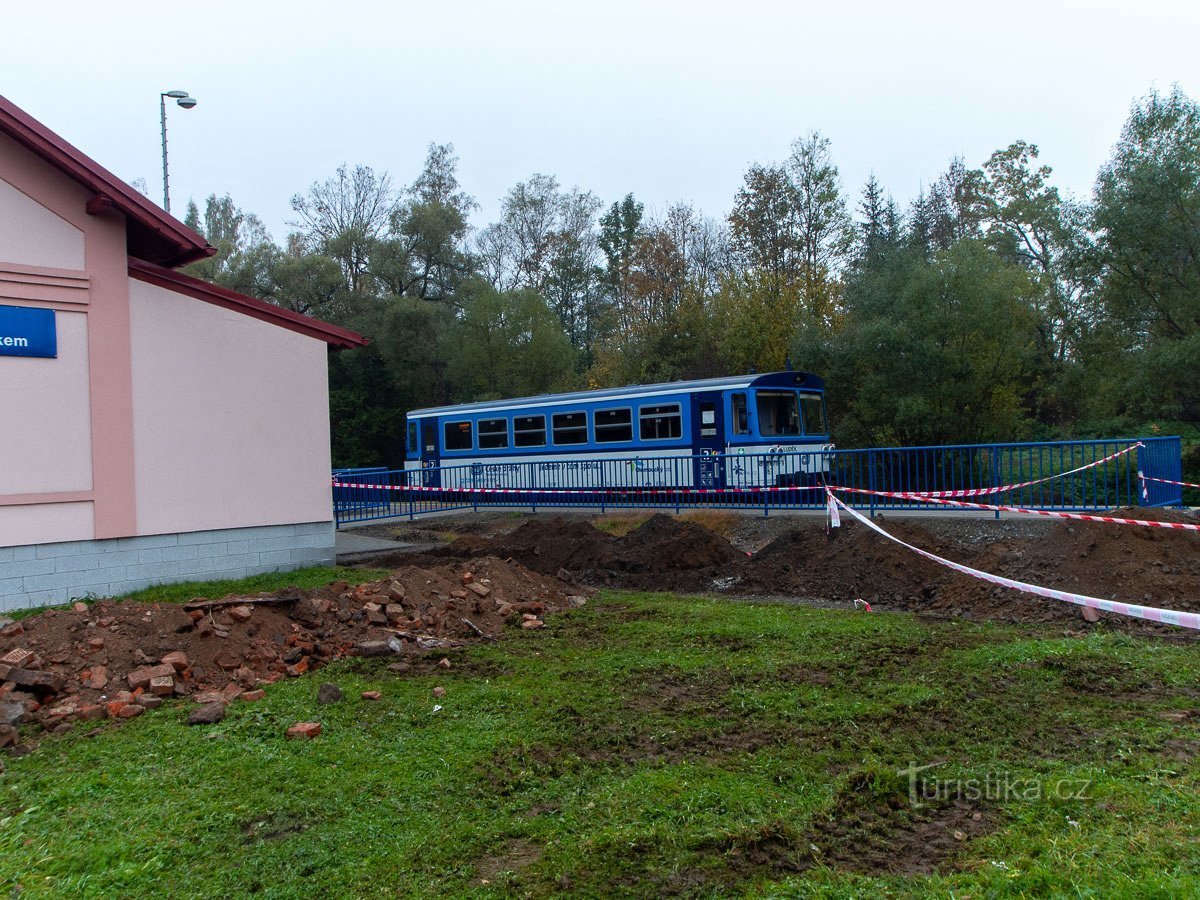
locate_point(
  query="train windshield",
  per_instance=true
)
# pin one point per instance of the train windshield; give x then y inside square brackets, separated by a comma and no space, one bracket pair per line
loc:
[813,408]
[778,413]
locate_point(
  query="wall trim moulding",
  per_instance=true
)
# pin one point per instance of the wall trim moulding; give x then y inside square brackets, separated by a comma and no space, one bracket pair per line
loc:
[41,285]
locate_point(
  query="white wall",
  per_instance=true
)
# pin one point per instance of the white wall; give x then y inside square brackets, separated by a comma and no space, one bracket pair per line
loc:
[231,418]
[45,416]
[32,235]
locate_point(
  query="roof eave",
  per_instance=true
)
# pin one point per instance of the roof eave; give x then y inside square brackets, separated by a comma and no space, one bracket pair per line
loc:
[184,243]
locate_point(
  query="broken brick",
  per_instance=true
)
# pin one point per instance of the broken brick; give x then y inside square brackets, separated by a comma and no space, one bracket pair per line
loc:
[240,613]
[306,730]
[176,659]
[295,671]
[131,710]
[251,696]
[162,685]
[467,578]
[439,692]
[15,629]
[98,678]
[21,658]
[480,590]
[140,678]
[232,691]
[371,695]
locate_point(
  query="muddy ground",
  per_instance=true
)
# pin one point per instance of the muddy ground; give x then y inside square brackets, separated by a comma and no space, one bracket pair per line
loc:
[738,555]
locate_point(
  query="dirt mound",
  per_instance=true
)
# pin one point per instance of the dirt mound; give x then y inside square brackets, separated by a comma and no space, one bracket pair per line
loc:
[855,563]
[663,544]
[1149,566]
[654,556]
[1154,567]
[542,545]
[117,659]
[549,545]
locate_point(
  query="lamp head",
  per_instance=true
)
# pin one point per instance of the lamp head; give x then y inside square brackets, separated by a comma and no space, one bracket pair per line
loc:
[175,95]
[186,102]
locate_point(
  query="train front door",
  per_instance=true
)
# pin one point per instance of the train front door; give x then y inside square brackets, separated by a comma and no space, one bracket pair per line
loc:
[708,441]
[430,457]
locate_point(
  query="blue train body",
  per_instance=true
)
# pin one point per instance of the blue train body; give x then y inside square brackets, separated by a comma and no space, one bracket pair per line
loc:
[751,430]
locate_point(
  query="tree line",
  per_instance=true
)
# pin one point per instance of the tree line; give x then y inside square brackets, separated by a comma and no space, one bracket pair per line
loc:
[991,307]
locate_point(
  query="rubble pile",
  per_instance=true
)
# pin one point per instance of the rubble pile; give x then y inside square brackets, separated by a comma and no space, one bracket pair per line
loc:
[115,660]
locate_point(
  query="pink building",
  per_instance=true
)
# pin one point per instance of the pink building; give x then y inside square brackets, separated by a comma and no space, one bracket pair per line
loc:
[155,428]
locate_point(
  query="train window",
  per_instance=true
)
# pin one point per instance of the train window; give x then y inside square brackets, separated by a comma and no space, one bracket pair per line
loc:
[570,428]
[493,434]
[813,409]
[458,436]
[660,423]
[741,417]
[529,431]
[778,413]
[412,438]
[613,425]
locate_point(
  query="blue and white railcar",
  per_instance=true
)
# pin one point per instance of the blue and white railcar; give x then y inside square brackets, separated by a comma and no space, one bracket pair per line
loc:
[745,431]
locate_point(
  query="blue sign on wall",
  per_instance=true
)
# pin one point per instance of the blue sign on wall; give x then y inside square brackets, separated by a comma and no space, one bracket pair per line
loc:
[27,332]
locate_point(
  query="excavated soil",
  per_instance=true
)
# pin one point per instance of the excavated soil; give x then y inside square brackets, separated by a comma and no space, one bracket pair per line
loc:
[95,661]
[1148,566]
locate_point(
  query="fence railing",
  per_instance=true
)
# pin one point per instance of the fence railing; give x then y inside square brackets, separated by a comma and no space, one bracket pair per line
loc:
[780,481]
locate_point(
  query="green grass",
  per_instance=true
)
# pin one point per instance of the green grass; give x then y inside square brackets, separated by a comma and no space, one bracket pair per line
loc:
[314,577]
[649,745]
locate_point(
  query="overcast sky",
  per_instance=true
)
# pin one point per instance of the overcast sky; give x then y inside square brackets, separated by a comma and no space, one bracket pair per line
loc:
[669,100]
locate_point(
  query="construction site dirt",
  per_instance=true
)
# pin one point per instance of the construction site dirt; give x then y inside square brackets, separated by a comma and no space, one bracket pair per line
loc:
[474,575]
[799,558]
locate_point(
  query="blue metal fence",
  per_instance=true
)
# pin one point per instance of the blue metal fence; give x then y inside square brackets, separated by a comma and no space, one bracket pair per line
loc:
[780,481]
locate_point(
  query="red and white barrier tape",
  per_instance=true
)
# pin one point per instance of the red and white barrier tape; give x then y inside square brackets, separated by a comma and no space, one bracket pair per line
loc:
[980,492]
[1055,514]
[648,489]
[1149,613]
[1187,484]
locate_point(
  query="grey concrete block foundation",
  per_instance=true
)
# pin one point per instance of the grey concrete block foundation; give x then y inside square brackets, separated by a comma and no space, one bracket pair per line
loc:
[43,574]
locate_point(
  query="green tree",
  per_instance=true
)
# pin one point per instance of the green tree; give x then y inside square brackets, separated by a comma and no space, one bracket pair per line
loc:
[1147,216]
[235,233]
[936,350]
[507,344]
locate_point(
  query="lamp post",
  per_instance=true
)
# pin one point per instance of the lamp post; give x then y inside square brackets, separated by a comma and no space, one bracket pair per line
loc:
[184,99]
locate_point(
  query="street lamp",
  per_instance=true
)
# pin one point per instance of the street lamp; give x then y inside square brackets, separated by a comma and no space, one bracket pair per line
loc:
[187,101]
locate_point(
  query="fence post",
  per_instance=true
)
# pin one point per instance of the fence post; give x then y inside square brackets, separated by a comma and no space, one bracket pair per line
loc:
[871,479]
[996,480]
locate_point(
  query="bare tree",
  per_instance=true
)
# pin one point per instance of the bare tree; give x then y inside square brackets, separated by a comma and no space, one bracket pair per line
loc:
[344,216]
